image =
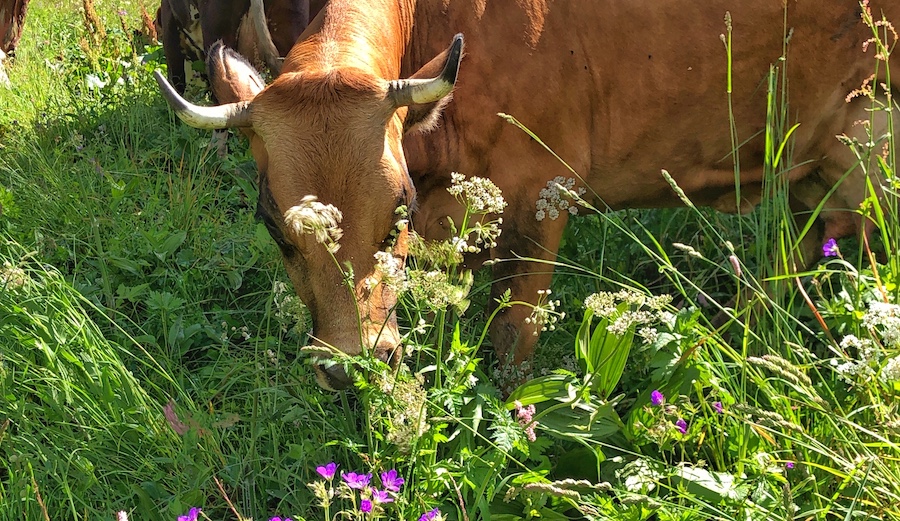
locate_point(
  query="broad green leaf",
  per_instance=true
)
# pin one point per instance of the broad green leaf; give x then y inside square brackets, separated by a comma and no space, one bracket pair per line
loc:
[539,390]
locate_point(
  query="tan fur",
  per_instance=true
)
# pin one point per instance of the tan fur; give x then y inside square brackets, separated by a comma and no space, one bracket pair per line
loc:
[620,90]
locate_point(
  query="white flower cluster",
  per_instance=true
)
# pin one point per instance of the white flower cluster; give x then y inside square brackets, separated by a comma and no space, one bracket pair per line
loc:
[407,411]
[389,270]
[290,311]
[605,303]
[478,194]
[433,288]
[862,367]
[311,216]
[891,371]
[885,319]
[556,197]
[638,310]
[12,277]
[544,313]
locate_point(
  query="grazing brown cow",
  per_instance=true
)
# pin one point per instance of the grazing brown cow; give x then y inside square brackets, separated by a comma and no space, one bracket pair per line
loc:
[620,90]
[188,28]
[12,19]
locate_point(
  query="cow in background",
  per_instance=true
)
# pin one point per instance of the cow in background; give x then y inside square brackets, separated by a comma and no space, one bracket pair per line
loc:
[188,28]
[12,19]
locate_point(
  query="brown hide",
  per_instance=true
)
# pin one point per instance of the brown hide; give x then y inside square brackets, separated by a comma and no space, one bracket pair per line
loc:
[620,90]
[188,29]
[12,20]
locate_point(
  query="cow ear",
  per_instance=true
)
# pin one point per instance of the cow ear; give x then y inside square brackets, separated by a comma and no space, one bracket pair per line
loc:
[231,77]
[424,117]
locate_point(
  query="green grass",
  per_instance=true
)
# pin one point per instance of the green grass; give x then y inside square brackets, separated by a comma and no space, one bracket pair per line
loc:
[150,360]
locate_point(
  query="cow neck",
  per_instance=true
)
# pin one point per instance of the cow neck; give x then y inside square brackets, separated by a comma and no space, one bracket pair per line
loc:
[370,36]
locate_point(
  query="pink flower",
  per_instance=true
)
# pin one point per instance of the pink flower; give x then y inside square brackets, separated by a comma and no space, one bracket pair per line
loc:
[172,417]
[830,248]
[191,515]
[381,496]
[682,426]
[357,481]
[391,481]
[430,516]
[327,471]
[365,506]
[525,415]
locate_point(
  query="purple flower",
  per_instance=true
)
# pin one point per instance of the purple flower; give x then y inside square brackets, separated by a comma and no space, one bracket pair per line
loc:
[830,248]
[357,481]
[365,506]
[430,516]
[191,515]
[327,471]
[682,426]
[391,481]
[276,518]
[656,397]
[381,496]
[718,407]
[789,465]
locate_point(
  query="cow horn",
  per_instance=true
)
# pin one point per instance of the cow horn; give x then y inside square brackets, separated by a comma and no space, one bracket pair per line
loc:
[416,91]
[264,43]
[218,117]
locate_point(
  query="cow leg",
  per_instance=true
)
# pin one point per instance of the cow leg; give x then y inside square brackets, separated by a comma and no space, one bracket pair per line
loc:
[287,19]
[218,23]
[172,47]
[513,332]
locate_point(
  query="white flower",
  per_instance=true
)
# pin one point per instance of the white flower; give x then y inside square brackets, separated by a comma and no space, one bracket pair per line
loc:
[891,371]
[556,196]
[390,269]
[311,216]
[480,195]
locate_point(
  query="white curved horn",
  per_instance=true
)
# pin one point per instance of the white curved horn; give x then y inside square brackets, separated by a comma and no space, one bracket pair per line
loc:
[221,116]
[416,91]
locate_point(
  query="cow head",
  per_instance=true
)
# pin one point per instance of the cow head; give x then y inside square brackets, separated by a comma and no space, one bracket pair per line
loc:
[332,175]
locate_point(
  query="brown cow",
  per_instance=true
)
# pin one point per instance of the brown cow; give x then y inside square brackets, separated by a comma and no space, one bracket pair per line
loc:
[620,90]
[188,28]
[12,20]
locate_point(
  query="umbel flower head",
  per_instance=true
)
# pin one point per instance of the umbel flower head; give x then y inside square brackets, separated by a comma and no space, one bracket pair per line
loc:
[321,220]
[478,194]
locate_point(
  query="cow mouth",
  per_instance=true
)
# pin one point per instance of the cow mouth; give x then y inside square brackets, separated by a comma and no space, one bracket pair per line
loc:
[333,376]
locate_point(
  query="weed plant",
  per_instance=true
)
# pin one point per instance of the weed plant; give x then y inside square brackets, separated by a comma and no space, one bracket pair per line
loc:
[151,348]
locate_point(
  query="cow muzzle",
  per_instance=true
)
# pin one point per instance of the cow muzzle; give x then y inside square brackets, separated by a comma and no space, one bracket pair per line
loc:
[333,376]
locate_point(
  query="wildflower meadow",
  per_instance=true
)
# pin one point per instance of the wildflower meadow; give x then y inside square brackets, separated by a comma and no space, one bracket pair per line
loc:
[154,359]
